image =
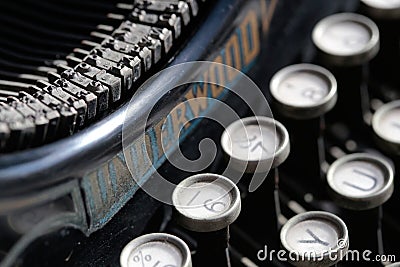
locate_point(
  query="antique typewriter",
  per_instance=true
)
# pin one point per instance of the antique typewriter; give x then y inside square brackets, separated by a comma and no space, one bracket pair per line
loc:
[199,133]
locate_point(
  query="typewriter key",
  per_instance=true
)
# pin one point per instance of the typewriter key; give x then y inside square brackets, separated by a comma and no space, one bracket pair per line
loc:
[396,264]
[302,94]
[386,126]
[346,39]
[386,132]
[383,9]
[386,14]
[346,43]
[360,181]
[315,238]
[156,249]
[256,144]
[207,204]
[304,91]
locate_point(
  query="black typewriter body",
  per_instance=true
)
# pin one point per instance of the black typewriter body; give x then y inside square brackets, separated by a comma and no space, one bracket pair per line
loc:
[71,200]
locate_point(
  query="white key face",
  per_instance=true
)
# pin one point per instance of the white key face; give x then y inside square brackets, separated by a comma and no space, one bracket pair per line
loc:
[383,4]
[155,254]
[389,125]
[302,89]
[204,200]
[317,236]
[358,179]
[345,38]
[253,143]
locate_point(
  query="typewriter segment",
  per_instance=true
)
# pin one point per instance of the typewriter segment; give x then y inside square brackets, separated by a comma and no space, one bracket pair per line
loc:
[154,250]
[304,91]
[99,72]
[346,39]
[386,126]
[256,144]
[348,180]
[316,232]
[94,114]
[207,204]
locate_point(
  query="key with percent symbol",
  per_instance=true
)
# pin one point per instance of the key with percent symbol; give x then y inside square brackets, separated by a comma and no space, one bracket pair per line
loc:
[156,250]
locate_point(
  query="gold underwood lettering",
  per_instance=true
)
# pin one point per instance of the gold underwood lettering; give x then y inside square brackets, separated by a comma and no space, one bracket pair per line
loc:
[141,153]
[267,13]
[121,173]
[250,37]
[198,102]
[217,77]
[164,135]
[158,131]
[108,193]
[232,57]
[95,188]
[178,116]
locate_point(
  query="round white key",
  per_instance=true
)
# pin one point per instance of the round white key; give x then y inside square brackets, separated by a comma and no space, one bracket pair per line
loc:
[255,144]
[206,202]
[157,249]
[304,91]
[346,39]
[360,181]
[385,9]
[315,239]
[386,125]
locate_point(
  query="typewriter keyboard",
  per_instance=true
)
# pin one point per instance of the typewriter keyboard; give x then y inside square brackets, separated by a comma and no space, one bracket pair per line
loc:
[331,194]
